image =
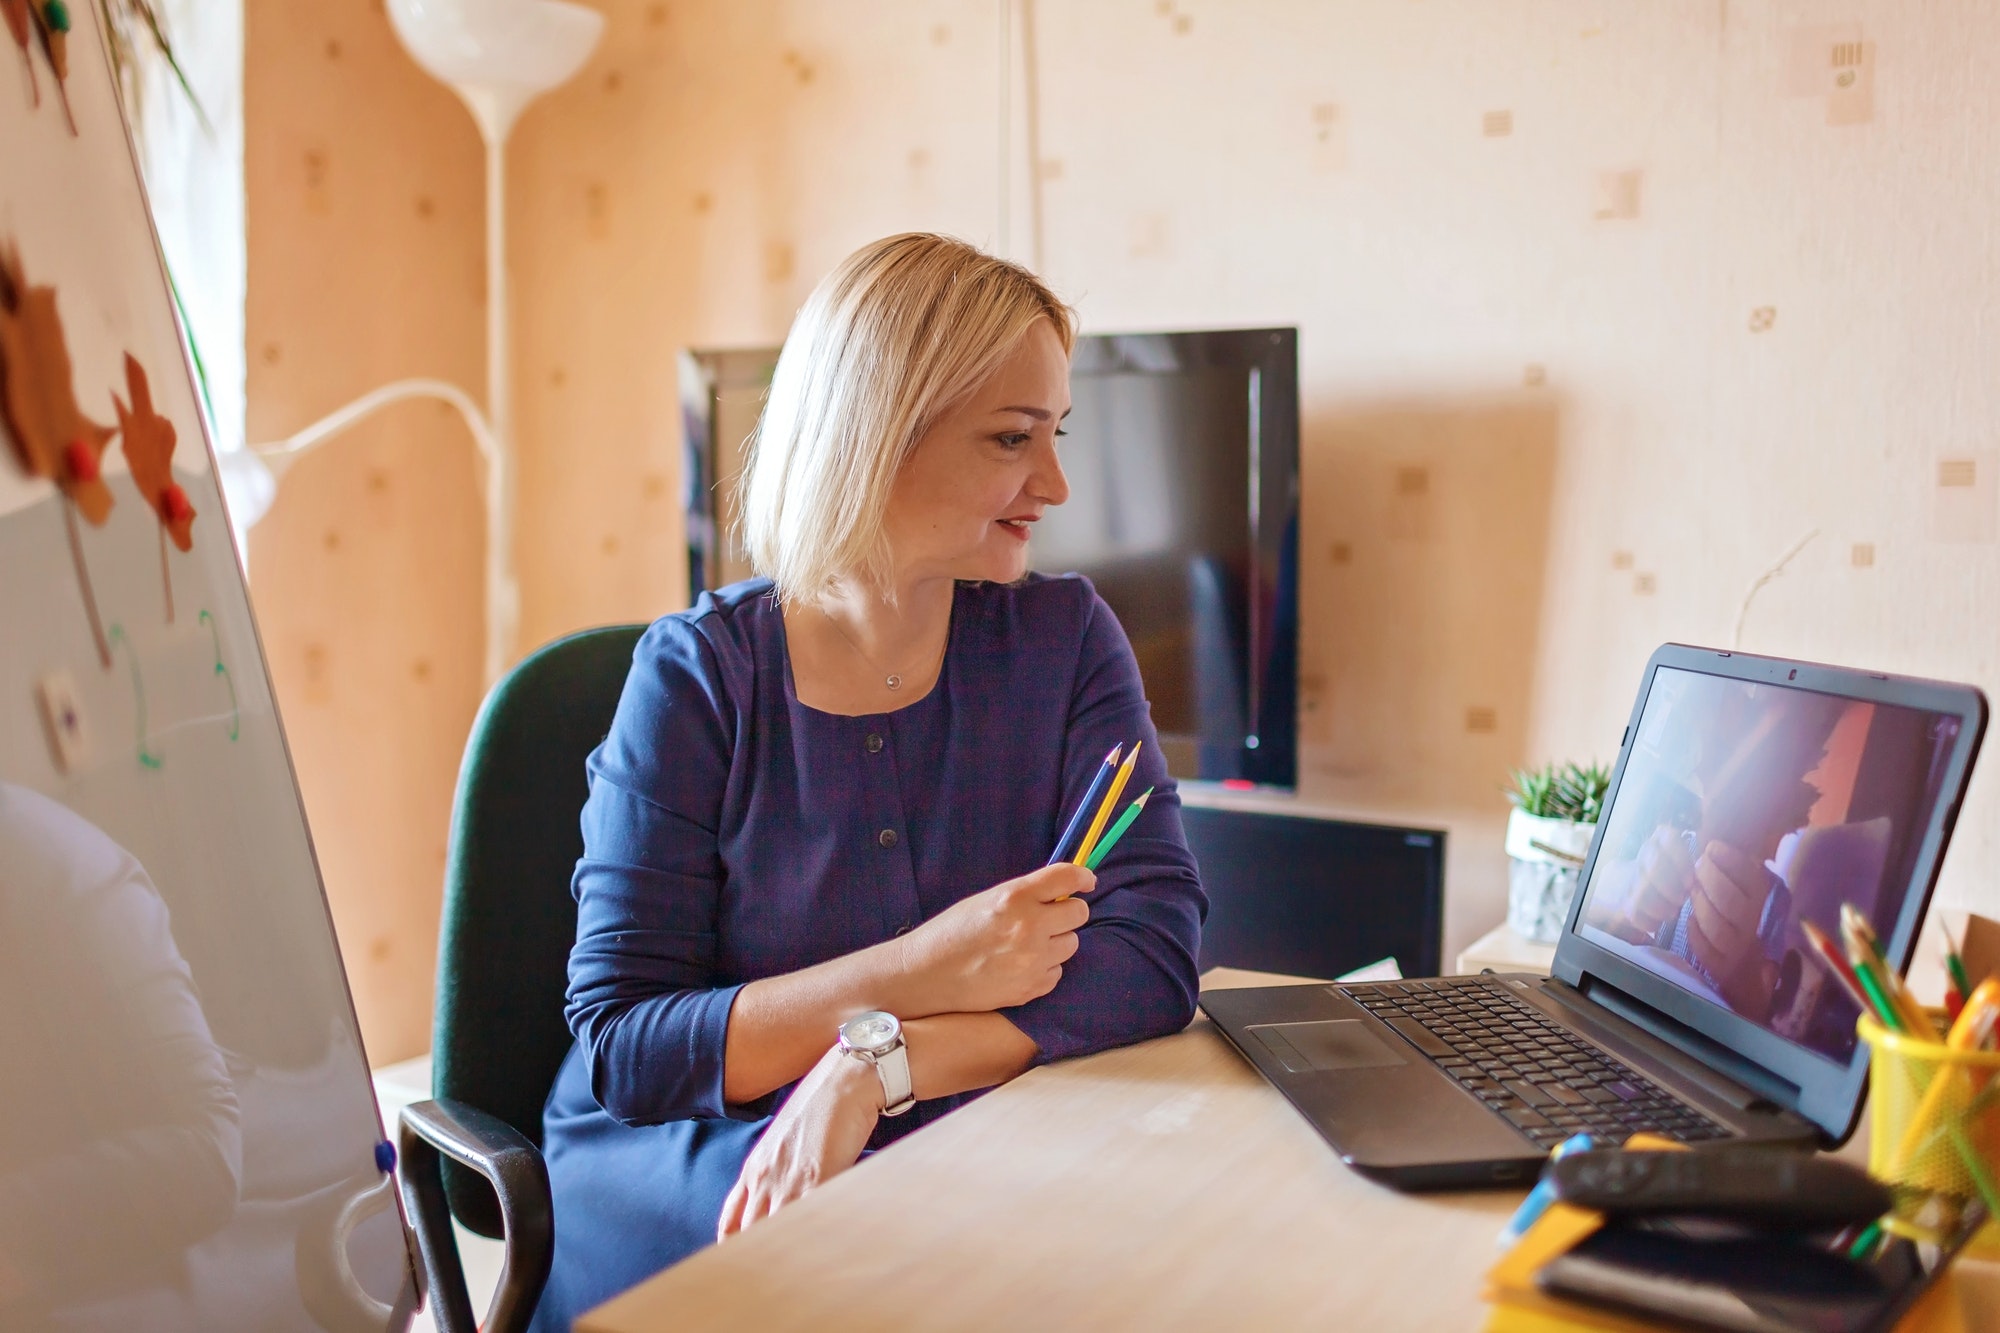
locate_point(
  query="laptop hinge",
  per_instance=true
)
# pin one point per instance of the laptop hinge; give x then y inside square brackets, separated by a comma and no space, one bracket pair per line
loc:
[1720,1071]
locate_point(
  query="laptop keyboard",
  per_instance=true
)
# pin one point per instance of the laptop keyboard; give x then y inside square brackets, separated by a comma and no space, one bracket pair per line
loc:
[1533,1072]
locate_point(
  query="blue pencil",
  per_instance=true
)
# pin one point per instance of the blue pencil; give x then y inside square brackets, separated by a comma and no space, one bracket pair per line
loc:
[1081,818]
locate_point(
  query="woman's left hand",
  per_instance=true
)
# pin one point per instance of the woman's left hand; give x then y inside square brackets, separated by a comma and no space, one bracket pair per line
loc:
[818,1134]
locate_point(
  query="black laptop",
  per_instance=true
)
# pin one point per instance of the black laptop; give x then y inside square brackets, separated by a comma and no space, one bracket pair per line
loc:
[1750,795]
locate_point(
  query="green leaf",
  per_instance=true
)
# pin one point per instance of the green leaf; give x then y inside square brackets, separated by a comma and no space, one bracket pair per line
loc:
[1560,791]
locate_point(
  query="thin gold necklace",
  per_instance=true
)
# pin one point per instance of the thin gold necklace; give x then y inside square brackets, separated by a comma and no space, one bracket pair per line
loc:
[890,679]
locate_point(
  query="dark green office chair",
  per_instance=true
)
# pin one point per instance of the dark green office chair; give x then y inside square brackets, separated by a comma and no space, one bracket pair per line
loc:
[498,1037]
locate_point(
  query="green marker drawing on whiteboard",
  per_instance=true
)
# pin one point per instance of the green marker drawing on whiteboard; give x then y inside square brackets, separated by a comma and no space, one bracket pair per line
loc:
[147,759]
[235,709]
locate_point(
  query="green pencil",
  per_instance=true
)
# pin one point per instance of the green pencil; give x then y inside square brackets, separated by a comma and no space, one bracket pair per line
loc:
[1864,970]
[1117,831]
[1954,966]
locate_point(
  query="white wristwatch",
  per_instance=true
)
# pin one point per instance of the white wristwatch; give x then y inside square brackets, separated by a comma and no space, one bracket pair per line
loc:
[876,1038]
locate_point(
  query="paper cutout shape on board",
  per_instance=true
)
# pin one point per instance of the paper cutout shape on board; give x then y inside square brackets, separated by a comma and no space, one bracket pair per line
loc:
[22,28]
[149,449]
[52,20]
[52,437]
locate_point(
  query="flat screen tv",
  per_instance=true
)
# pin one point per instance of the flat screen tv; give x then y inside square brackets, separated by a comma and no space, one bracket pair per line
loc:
[1182,455]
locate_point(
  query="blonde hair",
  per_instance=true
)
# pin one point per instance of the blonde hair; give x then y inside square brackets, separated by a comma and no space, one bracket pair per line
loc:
[888,342]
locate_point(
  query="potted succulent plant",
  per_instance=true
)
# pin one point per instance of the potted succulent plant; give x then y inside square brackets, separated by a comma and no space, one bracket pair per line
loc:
[1548,835]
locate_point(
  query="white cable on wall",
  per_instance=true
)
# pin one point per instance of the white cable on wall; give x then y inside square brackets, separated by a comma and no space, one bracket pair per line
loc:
[1031,111]
[1004,163]
[1031,133]
[502,591]
[367,405]
[1750,595]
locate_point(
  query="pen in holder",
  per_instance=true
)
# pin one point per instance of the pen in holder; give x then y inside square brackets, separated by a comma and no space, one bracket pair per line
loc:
[1934,1124]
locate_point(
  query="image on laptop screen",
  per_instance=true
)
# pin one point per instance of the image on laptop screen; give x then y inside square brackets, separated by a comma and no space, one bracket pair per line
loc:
[1745,809]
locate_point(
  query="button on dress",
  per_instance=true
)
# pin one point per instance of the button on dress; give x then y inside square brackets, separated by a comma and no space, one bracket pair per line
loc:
[733,833]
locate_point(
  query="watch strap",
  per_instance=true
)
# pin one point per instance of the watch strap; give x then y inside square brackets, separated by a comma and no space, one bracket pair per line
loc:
[893,1068]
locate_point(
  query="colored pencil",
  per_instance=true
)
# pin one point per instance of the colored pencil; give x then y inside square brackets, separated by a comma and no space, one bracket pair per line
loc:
[1975,1029]
[1089,843]
[1103,776]
[1823,948]
[1954,963]
[1854,928]
[1956,986]
[1877,1001]
[1863,945]
[1111,838]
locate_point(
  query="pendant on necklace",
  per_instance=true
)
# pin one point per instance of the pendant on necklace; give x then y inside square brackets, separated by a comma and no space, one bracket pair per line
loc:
[894,682]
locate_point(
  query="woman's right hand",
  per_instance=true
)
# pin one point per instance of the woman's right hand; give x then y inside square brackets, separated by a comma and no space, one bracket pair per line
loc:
[999,948]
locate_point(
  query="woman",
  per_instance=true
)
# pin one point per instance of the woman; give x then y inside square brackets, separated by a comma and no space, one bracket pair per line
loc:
[830,791]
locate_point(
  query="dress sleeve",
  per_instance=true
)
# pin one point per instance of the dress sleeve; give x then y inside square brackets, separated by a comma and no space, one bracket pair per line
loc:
[1134,974]
[642,1001]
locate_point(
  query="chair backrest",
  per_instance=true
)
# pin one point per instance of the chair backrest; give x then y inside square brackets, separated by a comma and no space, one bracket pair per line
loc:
[498,1036]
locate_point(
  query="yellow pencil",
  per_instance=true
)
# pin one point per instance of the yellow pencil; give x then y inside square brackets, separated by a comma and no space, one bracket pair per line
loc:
[1103,816]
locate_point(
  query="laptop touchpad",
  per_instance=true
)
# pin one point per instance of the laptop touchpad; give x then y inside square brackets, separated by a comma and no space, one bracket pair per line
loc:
[1340,1043]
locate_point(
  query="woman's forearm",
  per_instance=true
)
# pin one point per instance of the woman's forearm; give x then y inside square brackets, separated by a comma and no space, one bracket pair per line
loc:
[779,1027]
[952,1053]
[998,948]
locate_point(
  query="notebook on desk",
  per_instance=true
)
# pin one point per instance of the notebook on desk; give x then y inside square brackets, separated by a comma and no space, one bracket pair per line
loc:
[1750,795]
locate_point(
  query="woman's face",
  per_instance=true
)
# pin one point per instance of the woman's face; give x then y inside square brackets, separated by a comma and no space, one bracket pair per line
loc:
[978,480]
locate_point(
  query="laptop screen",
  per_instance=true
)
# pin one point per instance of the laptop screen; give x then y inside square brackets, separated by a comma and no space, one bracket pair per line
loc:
[1747,808]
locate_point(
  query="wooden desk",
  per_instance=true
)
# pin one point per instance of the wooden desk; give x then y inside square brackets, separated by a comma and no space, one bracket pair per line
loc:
[1161,1186]
[1166,1185]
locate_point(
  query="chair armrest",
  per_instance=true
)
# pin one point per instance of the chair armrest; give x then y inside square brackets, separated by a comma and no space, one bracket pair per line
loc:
[514,1167]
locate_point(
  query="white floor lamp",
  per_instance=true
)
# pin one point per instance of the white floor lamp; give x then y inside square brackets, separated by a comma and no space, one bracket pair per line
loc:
[497,55]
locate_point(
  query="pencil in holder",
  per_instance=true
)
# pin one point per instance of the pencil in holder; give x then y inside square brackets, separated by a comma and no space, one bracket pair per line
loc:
[1934,1116]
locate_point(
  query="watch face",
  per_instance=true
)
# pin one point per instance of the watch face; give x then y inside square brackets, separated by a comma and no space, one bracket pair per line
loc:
[872,1033]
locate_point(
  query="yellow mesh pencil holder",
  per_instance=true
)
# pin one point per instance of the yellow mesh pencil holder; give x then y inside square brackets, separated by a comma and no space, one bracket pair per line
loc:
[1934,1127]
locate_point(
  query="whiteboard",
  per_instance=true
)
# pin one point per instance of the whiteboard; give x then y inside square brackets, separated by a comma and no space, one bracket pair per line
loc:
[188,1135]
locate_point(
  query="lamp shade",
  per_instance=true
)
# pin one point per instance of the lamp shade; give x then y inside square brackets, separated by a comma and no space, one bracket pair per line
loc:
[498,55]
[248,487]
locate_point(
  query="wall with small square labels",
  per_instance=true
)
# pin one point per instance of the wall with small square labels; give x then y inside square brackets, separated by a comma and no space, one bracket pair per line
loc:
[1603,307]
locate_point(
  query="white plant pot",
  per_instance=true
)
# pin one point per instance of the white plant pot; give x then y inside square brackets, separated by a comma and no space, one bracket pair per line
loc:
[1542,864]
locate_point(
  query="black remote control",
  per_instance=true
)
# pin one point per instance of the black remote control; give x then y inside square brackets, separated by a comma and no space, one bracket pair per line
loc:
[1768,1187]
